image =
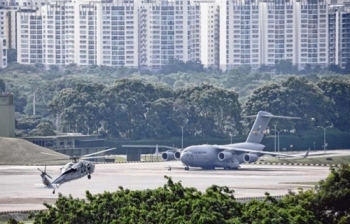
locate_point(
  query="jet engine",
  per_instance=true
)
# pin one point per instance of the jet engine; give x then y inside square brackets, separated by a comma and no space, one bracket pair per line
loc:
[250,158]
[167,156]
[222,156]
[177,155]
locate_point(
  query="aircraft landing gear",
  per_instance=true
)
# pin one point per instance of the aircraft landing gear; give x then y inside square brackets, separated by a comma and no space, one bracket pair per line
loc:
[53,192]
[89,176]
[187,168]
[230,168]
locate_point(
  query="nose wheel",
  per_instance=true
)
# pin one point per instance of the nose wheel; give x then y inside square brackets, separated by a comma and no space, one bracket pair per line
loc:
[53,192]
[89,176]
[187,168]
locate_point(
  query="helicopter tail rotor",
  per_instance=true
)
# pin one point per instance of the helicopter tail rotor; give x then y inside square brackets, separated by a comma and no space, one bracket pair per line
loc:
[43,173]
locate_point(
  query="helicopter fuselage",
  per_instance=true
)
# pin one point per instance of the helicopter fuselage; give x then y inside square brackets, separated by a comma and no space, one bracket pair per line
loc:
[72,171]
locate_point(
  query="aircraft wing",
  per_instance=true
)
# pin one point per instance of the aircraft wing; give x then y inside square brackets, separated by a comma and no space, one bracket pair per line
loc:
[262,152]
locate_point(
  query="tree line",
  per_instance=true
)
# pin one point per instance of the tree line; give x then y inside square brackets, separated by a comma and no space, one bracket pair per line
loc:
[326,203]
[123,103]
[133,109]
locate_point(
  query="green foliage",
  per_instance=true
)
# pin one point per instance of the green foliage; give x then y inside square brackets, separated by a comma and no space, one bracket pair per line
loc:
[11,55]
[328,203]
[44,128]
[157,116]
[2,86]
[171,203]
[14,221]
[338,91]
[285,67]
[134,109]
[294,97]
[34,125]
[176,65]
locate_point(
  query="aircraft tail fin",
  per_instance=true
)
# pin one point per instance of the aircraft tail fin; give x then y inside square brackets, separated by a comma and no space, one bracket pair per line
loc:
[157,150]
[259,128]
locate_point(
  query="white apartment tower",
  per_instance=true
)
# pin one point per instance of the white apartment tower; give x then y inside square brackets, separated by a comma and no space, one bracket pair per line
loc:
[3,53]
[277,25]
[240,38]
[167,31]
[339,35]
[29,36]
[150,33]
[118,44]
[209,34]
[81,32]
[261,32]
[311,32]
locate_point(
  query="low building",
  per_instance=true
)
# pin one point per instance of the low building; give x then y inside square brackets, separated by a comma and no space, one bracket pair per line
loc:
[7,116]
[71,144]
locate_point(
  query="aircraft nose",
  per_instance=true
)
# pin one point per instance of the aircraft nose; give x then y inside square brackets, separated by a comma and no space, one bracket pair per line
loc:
[184,157]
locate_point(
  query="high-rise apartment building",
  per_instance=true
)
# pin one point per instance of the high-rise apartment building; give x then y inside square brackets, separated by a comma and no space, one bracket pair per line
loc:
[261,32]
[168,30]
[339,35]
[209,34]
[312,32]
[81,32]
[3,53]
[150,33]
[29,37]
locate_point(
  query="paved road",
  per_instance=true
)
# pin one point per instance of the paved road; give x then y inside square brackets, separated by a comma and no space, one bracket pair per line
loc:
[17,190]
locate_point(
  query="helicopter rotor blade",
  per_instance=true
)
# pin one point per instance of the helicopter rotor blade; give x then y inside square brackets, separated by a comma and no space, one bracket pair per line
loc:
[106,150]
[93,157]
[51,154]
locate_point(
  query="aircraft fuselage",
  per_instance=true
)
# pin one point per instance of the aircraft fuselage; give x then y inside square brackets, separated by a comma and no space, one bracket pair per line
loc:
[207,156]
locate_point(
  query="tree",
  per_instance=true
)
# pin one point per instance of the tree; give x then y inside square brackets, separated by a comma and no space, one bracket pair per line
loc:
[11,55]
[209,111]
[172,203]
[44,128]
[338,90]
[285,67]
[2,86]
[329,200]
[335,68]
[294,97]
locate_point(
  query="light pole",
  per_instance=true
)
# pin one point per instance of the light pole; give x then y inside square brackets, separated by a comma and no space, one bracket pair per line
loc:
[324,137]
[275,138]
[182,137]
[278,138]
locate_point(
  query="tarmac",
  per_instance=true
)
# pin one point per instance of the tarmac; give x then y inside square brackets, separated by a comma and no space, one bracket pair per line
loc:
[17,191]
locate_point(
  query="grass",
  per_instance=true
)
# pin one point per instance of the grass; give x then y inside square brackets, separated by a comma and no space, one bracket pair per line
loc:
[120,159]
[310,160]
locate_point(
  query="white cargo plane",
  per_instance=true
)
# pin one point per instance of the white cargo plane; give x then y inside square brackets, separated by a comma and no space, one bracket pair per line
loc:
[232,155]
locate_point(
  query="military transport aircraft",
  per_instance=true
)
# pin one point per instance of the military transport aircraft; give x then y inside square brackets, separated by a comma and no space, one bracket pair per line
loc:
[78,168]
[232,155]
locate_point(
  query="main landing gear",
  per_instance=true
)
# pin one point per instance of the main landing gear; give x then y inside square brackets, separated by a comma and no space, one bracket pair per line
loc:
[53,192]
[230,168]
[89,176]
[187,168]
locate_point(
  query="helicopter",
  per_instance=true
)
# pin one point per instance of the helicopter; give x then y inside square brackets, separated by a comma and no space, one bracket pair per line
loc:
[78,168]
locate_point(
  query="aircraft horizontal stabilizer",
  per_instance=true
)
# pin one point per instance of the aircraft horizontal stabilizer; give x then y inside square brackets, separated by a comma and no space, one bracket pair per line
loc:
[272,116]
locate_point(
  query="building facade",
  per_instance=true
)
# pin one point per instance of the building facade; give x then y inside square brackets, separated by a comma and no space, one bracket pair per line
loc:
[339,35]
[150,33]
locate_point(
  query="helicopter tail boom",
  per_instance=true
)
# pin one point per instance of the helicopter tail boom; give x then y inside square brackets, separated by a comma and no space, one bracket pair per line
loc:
[46,182]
